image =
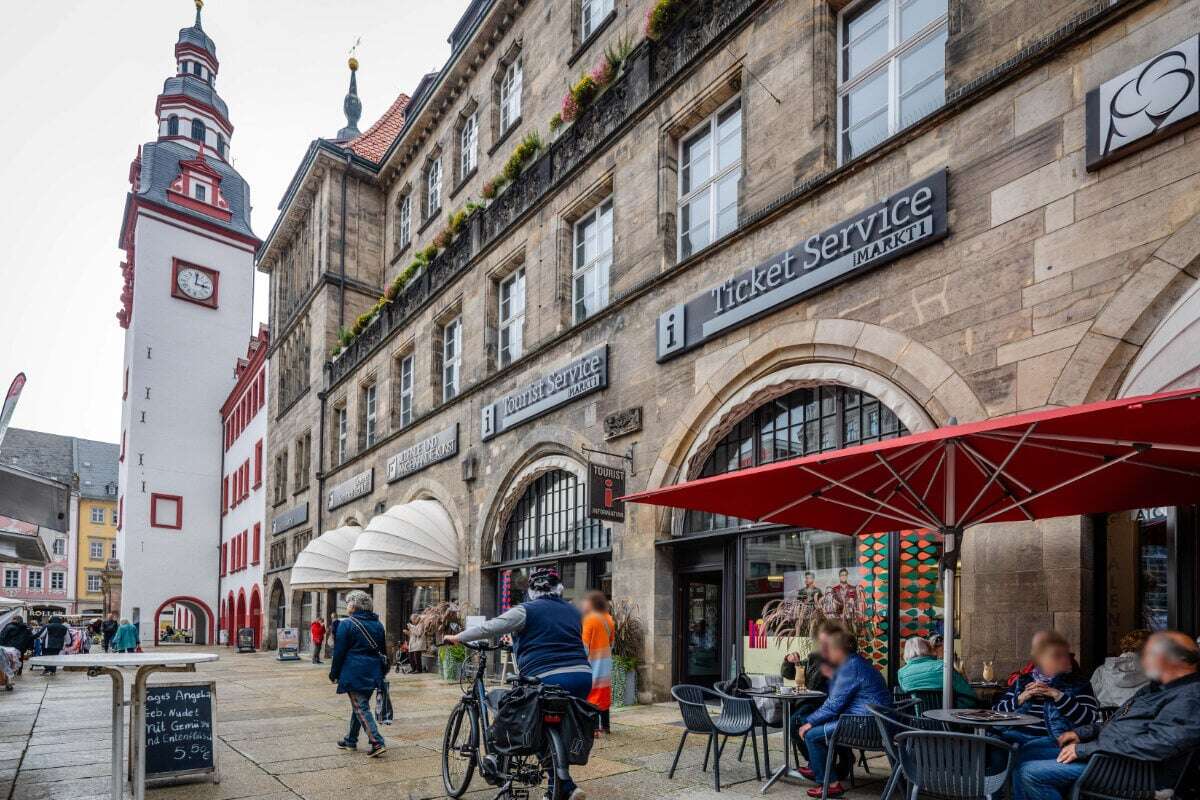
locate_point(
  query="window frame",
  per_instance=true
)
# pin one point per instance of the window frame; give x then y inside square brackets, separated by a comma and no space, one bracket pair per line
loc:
[433,187]
[591,14]
[93,546]
[198,127]
[99,584]
[341,417]
[41,583]
[61,579]
[507,323]
[154,521]
[710,184]
[888,61]
[12,579]
[468,143]
[404,222]
[512,84]
[599,264]
[407,373]
[451,359]
[59,546]
[370,397]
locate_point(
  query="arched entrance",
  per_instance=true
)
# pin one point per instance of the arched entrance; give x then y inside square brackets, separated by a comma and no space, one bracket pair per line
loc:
[199,622]
[241,612]
[230,620]
[255,620]
[276,612]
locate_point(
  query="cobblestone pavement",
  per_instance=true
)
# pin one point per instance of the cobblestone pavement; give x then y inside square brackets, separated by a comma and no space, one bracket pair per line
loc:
[277,728]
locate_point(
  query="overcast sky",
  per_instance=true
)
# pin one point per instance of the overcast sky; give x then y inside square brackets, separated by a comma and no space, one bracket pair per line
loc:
[78,81]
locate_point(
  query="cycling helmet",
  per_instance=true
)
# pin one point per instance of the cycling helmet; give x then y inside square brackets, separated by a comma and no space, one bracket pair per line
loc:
[544,580]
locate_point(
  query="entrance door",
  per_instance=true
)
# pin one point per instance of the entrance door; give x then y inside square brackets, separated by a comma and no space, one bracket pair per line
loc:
[700,609]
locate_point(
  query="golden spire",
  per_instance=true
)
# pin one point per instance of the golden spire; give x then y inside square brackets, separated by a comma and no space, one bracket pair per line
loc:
[353,61]
[199,6]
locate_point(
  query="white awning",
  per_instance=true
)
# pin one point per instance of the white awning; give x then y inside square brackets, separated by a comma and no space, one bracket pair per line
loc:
[413,540]
[323,561]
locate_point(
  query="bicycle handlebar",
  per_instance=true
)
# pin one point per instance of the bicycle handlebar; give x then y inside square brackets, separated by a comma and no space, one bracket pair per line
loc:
[486,647]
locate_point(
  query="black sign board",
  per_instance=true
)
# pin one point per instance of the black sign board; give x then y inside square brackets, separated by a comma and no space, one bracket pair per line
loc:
[179,729]
[584,375]
[245,640]
[605,485]
[909,219]
[297,515]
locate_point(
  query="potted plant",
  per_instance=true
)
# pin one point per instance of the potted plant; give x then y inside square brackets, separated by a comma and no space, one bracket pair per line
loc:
[628,638]
[439,621]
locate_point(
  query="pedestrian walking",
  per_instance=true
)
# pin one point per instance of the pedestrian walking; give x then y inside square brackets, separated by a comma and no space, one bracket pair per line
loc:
[317,631]
[108,629]
[126,638]
[416,642]
[54,637]
[358,668]
[599,633]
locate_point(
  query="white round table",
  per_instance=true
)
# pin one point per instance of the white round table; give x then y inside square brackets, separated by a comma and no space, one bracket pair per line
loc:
[111,664]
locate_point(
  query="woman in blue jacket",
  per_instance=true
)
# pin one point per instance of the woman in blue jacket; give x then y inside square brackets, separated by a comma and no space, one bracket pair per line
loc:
[358,666]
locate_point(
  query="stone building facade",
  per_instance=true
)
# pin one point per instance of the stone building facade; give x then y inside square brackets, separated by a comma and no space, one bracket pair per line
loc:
[701,288]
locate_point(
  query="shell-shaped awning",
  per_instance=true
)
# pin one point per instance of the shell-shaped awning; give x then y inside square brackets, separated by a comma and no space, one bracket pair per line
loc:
[413,540]
[323,562]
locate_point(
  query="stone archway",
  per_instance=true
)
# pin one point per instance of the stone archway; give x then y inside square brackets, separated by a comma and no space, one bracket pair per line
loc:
[255,619]
[276,612]
[545,458]
[204,622]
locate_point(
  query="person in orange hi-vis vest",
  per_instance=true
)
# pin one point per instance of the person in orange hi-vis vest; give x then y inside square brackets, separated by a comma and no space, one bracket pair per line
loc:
[599,632]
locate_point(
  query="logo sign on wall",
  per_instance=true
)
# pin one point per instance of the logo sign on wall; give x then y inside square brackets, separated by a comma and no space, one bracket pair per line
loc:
[910,219]
[297,515]
[351,489]
[584,375]
[605,485]
[1144,104]
[430,450]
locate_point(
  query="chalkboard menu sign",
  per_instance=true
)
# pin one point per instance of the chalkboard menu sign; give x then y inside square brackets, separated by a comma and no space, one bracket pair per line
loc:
[179,729]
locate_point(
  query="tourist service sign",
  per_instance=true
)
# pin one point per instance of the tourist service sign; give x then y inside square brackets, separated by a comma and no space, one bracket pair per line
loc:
[584,375]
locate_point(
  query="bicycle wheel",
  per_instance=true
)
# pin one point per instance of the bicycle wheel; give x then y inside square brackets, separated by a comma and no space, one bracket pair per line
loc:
[459,750]
[553,765]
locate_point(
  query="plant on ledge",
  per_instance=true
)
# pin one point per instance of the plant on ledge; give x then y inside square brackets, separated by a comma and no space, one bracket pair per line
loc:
[592,84]
[523,154]
[662,16]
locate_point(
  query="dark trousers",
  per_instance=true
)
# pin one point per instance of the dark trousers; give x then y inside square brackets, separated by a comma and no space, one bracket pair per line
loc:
[316,656]
[414,660]
[605,724]
[361,719]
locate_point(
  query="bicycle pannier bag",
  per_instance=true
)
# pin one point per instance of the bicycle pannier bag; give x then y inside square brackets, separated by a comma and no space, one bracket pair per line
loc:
[517,727]
[579,730]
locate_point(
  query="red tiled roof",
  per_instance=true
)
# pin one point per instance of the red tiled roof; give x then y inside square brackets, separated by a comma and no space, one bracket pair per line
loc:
[375,142]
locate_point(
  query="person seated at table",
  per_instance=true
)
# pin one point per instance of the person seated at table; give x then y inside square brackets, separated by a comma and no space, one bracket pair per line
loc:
[855,686]
[1028,667]
[816,671]
[1120,677]
[1053,692]
[1160,722]
[923,671]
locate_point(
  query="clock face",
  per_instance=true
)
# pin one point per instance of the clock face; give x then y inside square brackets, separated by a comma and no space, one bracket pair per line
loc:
[195,283]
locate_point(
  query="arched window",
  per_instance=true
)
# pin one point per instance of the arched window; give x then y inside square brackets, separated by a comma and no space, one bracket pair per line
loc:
[221,145]
[198,130]
[172,125]
[804,421]
[551,519]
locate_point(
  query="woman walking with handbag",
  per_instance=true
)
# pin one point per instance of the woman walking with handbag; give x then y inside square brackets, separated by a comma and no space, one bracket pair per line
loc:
[358,667]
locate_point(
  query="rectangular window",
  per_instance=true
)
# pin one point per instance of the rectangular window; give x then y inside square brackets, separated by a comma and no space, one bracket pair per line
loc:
[592,261]
[342,421]
[98,515]
[166,511]
[95,549]
[12,579]
[370,415]
[594,12]
[34,579]
[406,391]
[224,558]
[469,143]
[710,169]
[58,581]
[93,584]
[891,69]
[258,459]
[112,551]
[451,358]
[201,193]
[257,543]
[114,517]
[433,191]
[512,317]
[510,96]
[404,222]
[59,547]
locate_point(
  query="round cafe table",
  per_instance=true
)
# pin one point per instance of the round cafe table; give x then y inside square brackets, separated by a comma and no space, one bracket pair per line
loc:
[111,664]
[788,699]
[980,726]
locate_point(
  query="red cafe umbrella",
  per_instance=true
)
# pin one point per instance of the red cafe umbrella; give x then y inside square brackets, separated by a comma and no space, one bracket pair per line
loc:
[1108,456]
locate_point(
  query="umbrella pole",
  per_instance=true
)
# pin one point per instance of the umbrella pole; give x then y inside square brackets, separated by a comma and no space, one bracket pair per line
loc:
[950,555]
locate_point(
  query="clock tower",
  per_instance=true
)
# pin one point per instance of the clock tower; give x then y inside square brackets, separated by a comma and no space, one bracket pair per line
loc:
[187,309]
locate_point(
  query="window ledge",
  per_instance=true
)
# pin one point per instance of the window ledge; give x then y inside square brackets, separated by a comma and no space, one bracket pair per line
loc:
[465,179]
[400,253]
[429,220]
[504,136]
[592,37]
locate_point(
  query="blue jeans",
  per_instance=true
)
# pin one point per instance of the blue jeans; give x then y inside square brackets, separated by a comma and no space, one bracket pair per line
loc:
[361,718]
[817,742]
[577,684]
[1045,779]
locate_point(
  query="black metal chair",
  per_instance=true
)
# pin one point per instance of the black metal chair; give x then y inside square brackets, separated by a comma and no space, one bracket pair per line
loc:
[730,688]
[892,722]
[734,719]
[927,699]
[1111,777]
[953,765]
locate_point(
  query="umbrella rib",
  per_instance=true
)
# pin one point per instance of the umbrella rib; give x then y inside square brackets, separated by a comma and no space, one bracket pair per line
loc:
[904,484]
[860,493]
[911,520]
[908,471]
[1062,437]
[1096,456]
[997,470]
[978,461]
[1050,489]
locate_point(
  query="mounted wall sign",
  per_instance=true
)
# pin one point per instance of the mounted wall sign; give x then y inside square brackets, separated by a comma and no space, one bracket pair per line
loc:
[297,515]
[430,450]
[584,375]
[351,489]
[1144,104]
[908,220]
[605,485]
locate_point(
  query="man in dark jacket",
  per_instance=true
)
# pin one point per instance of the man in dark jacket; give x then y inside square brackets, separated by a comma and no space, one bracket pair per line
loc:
[54,638]
[358,666]
[16,634]
[108,629]
[1158,723]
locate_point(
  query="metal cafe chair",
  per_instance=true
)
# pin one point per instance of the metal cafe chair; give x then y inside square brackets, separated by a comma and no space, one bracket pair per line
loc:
[892,722]
[734,719]
[1112,777]
[953,765]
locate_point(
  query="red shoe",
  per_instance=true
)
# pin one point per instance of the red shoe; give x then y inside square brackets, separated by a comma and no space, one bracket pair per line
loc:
[835,790]
[807,772]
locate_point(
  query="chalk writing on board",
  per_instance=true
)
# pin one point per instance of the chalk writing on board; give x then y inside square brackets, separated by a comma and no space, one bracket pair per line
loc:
[179,729]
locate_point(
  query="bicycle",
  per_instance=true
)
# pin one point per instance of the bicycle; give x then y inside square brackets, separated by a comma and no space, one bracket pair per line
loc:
[465,742]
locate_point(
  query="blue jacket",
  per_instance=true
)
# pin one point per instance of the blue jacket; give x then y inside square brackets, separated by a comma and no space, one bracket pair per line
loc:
[1076,707]
[855,685]
[356,664]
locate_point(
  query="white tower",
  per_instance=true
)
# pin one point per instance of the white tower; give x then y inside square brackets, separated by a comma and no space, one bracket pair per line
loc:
[187,308]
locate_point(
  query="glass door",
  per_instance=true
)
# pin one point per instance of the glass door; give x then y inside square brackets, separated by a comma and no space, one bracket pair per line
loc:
[700,608]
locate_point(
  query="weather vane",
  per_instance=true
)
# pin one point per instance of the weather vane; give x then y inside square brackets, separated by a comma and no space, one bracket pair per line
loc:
[353,51]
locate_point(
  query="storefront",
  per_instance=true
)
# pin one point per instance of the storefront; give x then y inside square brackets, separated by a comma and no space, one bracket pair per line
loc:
[748,594]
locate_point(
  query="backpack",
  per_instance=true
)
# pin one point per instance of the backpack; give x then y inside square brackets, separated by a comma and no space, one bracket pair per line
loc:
[516,729]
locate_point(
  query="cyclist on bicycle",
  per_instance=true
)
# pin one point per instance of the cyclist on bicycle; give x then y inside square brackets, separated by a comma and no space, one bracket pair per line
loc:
[547,641]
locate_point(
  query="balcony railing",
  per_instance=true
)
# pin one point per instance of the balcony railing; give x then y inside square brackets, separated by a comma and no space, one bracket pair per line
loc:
[651,67]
